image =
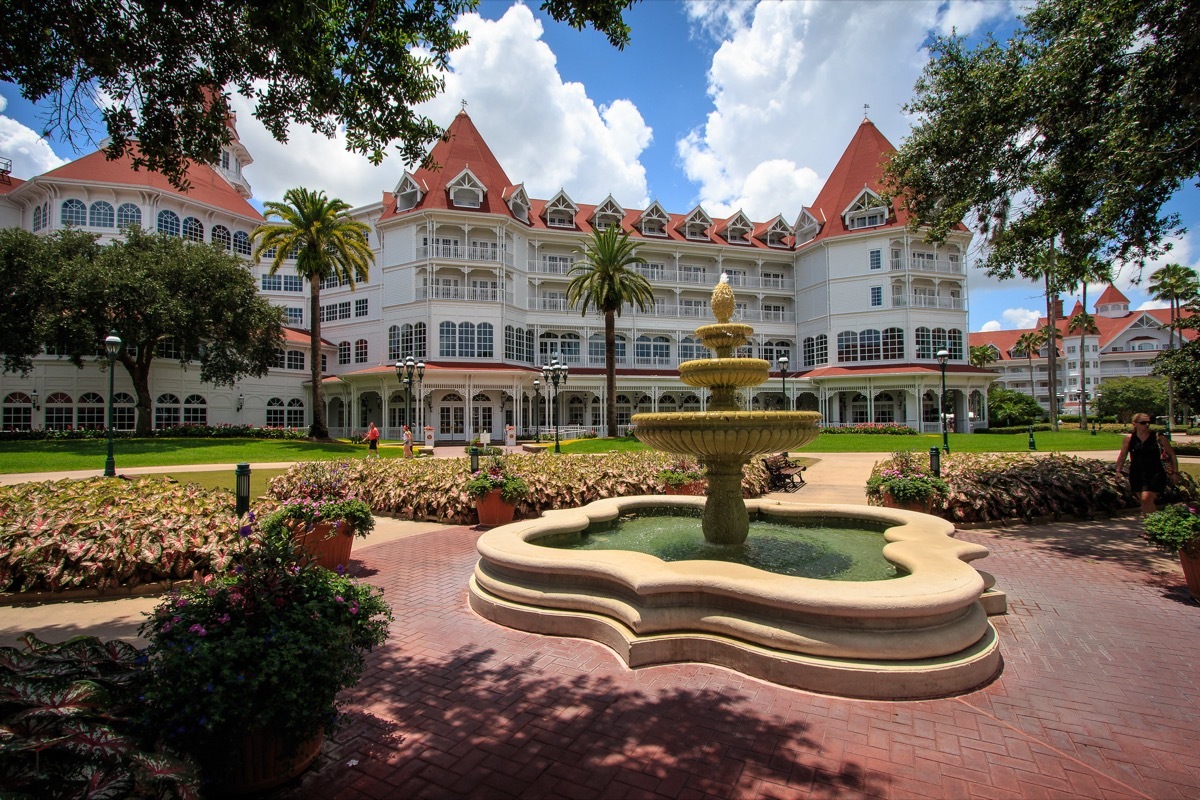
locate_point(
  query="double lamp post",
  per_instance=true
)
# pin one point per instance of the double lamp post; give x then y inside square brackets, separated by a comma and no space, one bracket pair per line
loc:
[407,371]
[555,375]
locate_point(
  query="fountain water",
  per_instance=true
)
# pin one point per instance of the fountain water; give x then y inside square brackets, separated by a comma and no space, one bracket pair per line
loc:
[923,634]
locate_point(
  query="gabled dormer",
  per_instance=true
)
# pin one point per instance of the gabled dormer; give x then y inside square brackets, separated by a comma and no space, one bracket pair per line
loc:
[408,192]
[695,225]
[466,190]
[806,227]
[776,233]
[1112,304]
[560,212]
[606,214]
[518,203]
[653,221]
[737,229]
[867,211]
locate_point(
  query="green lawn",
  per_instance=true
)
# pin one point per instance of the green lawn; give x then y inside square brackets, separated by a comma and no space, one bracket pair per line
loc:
[259,478]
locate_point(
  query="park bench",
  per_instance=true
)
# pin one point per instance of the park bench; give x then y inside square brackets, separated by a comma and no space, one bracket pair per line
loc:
[783,474]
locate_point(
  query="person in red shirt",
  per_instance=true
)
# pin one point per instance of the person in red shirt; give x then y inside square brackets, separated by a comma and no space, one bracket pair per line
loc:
[373,441]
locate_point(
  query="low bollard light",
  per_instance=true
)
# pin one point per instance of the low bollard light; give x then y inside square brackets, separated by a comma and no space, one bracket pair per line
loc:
[241,476]
[935,462]
[1095,428]
[1032,443]
[474,451]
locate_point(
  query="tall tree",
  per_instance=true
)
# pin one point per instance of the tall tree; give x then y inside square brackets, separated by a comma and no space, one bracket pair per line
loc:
[1177,285]
[1082,125]
[603,279]
[154,291]
[1029,343]
[326,243]
[159,75]
[980,355]
[1085,323]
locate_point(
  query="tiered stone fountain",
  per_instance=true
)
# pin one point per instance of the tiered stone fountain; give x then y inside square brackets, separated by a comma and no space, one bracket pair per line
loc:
[923,634]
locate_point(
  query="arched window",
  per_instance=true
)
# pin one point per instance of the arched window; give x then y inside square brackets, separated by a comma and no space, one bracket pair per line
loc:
[101,215]
[220,235]
[123,411]
[548,347]
[893,344]
[394,344]
[168,223]
[60,413]
[859,412]
[343,352]
[691,402]
[466,340]
[869,345]
[360,351]
[129,214]
[885,407]
[624,409]
[166,411]
[954,338]
[89,413]
[241,244]
[195,410]
[924,343]
[37,218]
[275,413]
[514,344]
[484,340]
[74,212]
[577,411]
[295,413]
[847,346]
[294,359]
[771,351]
[193,231]
[18,412]
[668,402]
[413,340]
[448,340]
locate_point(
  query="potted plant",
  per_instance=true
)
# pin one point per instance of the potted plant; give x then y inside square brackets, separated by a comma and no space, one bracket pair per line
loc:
[245,668]
[682,477]
[1176,529]
[905,483]
[497,492]
[324,528]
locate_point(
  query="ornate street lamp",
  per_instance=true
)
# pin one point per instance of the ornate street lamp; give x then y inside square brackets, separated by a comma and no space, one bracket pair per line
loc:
[112,348]
[943,356]
[537,410]
[407,371]
[783,373]
[555,375]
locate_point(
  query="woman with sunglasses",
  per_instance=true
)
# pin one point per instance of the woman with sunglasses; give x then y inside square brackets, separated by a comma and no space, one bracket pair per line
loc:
[1152,462]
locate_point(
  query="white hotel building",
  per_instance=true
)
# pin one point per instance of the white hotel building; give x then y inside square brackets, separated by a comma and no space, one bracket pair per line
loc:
[471,276]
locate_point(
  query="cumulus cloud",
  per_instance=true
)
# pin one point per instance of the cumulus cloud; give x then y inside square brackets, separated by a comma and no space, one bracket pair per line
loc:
[30,153]
[788,84]
[991,325]
[1020,318]
[546,132]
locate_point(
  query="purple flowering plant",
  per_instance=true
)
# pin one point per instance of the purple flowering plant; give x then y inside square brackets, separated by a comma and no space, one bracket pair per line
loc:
[267,646]
[905,478]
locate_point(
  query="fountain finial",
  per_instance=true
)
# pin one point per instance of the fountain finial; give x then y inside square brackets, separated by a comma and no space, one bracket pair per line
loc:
[722,300]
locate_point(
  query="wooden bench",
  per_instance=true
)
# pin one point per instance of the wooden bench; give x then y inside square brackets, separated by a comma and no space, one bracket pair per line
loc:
[783,474]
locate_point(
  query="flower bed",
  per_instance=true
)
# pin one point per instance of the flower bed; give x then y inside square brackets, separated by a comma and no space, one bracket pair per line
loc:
[172,432]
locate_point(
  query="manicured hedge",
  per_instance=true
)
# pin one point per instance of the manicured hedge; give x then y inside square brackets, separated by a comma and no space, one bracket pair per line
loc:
[173,432]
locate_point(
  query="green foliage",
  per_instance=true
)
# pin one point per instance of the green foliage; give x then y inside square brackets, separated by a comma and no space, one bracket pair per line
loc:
[311,511]
[681,473]
[361,67]
[1123,397]
[268,647]
[1007,407]
[905,477]
[170,432]
[1183,367]
[496,475]
[871,429]
[68,717]
[102,533]
[1174,528]
[1046,135]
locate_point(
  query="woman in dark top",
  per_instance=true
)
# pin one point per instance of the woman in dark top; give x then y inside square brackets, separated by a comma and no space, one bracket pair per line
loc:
[1152,462]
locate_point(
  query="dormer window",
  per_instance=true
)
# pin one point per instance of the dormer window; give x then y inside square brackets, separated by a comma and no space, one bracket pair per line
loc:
[776,233]
[737,229]
[561,211]
[559,219]
[466,191]
[518,204]
[225,160]
[806,227]
[696,224]
[868,211]
[407,192]
[654,221]
[607,213]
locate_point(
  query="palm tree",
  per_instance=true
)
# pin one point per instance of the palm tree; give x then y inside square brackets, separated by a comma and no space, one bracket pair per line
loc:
[1177,285]
[326,243]
[603,278]
[1085,323]
[1090,269]
[981,355]
[1028,344]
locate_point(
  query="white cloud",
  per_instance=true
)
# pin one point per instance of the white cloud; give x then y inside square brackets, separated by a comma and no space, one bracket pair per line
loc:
[788,83]
[30,153]
[1020,318]
[991,325]
[522,107]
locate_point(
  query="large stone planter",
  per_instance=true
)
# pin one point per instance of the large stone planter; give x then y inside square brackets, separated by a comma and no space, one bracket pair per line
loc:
[265,762]
[1191,573]
[693,489]
[493,510]
[921,506]
[326,543]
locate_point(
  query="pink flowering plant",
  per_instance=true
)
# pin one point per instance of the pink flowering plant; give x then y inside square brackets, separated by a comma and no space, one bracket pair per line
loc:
[496,475]
[268,646]
[312,510]
[905,479]
[681,473]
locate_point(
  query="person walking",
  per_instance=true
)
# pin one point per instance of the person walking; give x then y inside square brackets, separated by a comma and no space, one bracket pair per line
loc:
[408,441]
[373,441]
[1152,462]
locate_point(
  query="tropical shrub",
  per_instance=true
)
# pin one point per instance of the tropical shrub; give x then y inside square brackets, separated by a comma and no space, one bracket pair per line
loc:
[881,428]
[103,533]
[681,473]
[69,713]
[497,475]
[906,479]
[312,511]
[172,432]
[1175,528]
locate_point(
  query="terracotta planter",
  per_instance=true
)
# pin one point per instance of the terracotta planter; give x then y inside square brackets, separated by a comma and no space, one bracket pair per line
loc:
[923,506]
[264,761]
[1191,573]
[493,510]
[695,489]
[328,543]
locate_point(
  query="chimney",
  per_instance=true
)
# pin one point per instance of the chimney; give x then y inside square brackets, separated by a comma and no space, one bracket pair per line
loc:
[1058,312]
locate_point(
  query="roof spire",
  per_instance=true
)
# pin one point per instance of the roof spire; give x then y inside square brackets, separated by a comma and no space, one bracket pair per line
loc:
[866,111]
[464,105]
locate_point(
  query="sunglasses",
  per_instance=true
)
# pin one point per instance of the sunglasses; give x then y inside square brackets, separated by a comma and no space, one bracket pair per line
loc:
[1142,422]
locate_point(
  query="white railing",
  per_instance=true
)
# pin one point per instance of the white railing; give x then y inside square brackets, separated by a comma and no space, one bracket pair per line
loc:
[654,361]
[924,301]
[459,253]
[942,265]
[674,311]
[461,293]
[551,304]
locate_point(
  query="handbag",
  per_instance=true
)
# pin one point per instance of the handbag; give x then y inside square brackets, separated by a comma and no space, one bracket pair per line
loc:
[1168,464]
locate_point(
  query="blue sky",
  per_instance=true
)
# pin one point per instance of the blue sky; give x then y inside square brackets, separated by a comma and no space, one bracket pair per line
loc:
[726,103]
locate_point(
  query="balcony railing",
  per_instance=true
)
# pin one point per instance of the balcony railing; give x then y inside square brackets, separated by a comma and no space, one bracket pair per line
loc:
[461,293]
[942,265]
[495,255]
[674,311]
[924,301]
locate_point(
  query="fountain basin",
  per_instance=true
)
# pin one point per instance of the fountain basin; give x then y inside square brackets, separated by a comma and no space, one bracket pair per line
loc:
[734,372]
[924,634]
[722,434]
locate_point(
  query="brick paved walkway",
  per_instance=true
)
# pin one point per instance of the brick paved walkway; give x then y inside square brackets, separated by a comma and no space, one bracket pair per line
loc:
[1099,697]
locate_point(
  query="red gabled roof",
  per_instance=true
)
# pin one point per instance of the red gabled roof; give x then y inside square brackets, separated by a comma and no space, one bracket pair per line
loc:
[302,337]
[840,371]
[1112,295]
[207,186]
[1109,327]
[8,183]
[860,167]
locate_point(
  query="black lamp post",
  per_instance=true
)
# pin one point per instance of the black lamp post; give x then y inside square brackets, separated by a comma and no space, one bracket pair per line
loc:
[783,373]
[407,371]
[537,410]
[112,348]
[555,375]
[943,356]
